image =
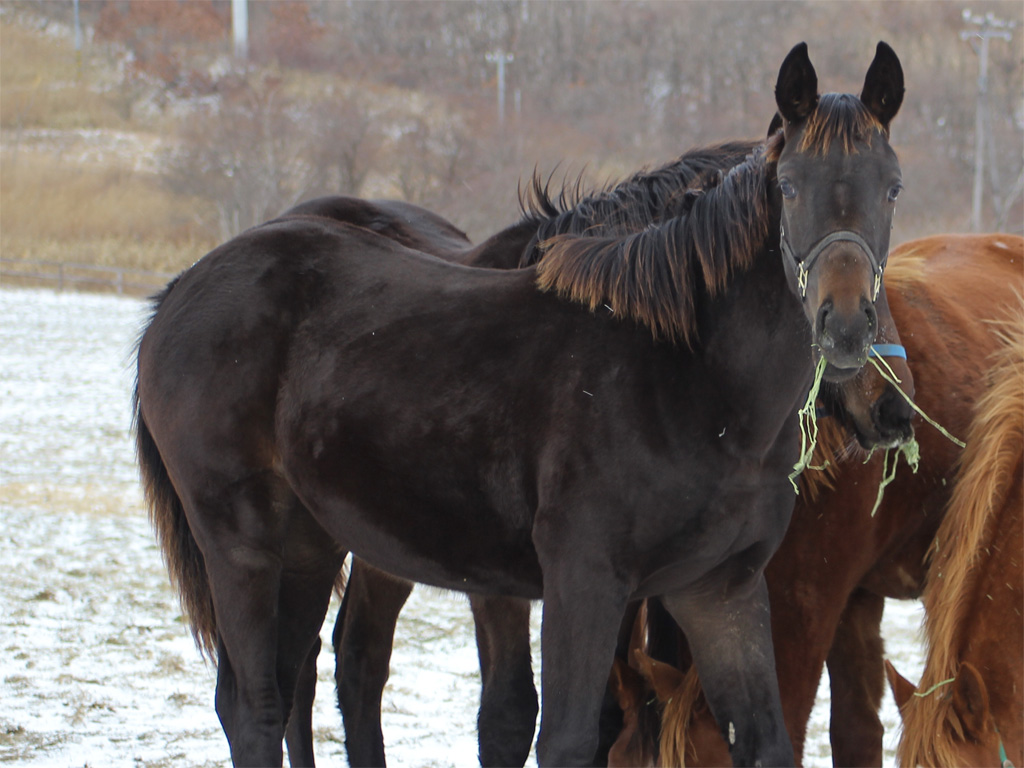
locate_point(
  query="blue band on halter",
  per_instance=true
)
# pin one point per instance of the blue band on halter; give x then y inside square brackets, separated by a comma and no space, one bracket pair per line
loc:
[888,350]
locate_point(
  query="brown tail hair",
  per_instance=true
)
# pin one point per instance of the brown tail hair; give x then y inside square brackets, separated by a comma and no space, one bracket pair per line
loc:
[185,563]
[988,467]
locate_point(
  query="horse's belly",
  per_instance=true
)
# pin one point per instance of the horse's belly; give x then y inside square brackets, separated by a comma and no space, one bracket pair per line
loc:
[434,523]
[418,546]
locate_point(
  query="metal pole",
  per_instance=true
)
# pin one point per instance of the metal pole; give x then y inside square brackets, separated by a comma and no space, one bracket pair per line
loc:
[78,40]
[78,29]
[990,27]
[240,28]
[500,58]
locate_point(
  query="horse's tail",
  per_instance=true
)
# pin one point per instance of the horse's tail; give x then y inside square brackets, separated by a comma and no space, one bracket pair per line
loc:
[988,472]
[182,556]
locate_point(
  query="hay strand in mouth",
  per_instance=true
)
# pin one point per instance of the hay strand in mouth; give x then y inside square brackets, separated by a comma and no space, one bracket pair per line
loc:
[891,378]
[809,427]
[911,451]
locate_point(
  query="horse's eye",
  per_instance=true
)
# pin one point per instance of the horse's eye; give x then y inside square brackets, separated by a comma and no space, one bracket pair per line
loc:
[894,192]
[787,189]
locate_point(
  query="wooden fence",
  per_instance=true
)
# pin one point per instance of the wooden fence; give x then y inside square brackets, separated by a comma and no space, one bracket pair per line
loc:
[63,275]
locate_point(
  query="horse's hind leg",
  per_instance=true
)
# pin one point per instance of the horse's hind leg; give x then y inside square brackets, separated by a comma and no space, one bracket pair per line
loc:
[857,677]
[731,643]
[298,736]
[304,599]
[269,610]
[363,637]
[508,700]
[245,584]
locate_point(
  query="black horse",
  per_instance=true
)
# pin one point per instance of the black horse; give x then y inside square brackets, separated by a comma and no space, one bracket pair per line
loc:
[372,601]
[619,421]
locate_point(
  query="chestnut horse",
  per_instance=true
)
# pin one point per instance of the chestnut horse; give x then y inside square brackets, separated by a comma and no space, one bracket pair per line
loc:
[838,563]
[970,711]
[292,383]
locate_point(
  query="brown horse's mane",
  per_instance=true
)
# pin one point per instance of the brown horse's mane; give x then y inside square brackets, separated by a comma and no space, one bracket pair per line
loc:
[652,275]
[974,518]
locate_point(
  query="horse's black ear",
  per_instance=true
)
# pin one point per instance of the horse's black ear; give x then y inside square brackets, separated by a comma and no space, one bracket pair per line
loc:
[796,91]
[883,85]
[775,125]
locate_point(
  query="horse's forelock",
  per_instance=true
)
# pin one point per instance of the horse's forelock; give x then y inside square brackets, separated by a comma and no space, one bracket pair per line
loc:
[842,118]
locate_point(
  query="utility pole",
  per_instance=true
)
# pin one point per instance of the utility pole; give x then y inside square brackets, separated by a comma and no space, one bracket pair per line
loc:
[240,28]
[500,58]
[988,27]
[78,40]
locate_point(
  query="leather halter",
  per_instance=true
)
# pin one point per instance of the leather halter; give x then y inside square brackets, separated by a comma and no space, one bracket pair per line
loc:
[804,266]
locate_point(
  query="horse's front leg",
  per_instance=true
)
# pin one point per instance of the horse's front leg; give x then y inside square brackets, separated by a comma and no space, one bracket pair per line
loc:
[730,639]
[857,676]
[298,735]
[582,611]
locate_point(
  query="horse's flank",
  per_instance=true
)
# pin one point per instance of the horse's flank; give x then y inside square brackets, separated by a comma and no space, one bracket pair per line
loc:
[975,525]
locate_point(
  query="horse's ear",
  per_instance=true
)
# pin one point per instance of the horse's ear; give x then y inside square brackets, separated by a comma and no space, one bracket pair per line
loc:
[796,90]
[627,685]
[775,125]
[663,678]
[970,700]
[883,85]
[902,689]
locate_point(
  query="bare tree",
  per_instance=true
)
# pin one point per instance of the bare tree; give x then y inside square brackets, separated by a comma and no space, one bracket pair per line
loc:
[248,157]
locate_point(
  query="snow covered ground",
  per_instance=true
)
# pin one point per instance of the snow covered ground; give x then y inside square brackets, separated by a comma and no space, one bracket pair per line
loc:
[96,665]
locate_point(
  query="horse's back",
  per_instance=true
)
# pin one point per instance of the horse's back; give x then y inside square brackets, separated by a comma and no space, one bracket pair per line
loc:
[405,223]
[949,289]
[981,266]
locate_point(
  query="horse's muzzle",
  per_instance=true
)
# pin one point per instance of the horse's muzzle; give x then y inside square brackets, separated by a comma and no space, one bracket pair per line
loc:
[845,338]
[891,419]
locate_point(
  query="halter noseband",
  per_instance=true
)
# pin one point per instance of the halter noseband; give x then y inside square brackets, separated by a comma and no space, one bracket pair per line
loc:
[804,266]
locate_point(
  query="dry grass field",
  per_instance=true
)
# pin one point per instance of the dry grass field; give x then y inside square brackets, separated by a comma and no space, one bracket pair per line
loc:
[77,179]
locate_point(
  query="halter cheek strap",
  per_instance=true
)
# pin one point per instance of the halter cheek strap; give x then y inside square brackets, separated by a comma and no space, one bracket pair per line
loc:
[804,266]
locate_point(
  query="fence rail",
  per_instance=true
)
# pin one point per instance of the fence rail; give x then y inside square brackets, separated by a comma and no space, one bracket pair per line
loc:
[120,280]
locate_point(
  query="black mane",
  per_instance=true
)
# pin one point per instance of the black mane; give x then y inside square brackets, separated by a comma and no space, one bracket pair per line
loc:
[646,198]
[651,275]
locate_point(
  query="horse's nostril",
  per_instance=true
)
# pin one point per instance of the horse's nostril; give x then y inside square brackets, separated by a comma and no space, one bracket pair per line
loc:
[823,313]
[872,315]
[893,415]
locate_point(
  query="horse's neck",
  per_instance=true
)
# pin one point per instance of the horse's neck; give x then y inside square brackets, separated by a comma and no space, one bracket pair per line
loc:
[753,357]
[761,316]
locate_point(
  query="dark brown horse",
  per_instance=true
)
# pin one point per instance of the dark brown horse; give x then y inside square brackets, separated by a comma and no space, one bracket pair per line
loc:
[293,383]
[969,710]
[372,600]
[837,562]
